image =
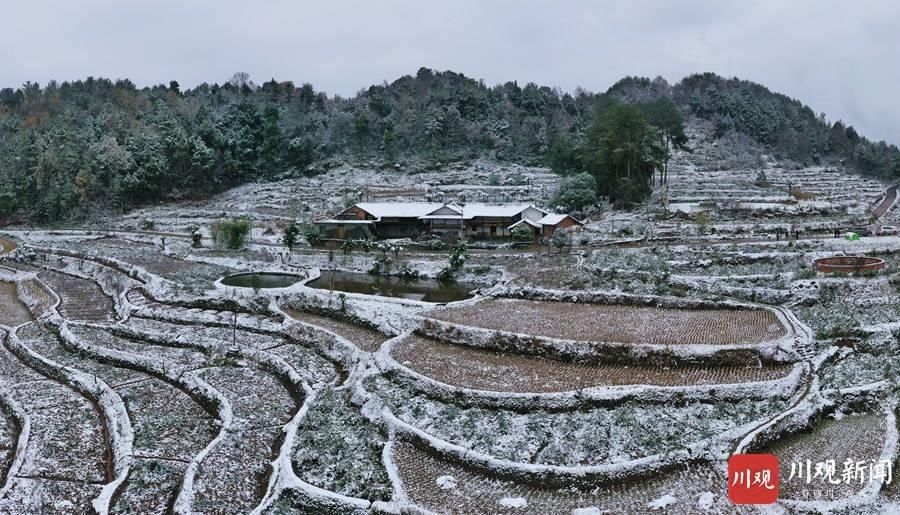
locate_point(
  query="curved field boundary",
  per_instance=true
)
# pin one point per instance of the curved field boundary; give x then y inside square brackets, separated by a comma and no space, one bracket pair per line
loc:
[785,387]
[607,352]
[366,337]
[810,403]
[115,294]
[284,478]
[112,408]
[23,424]
[190,383]
[869,493]
[780,350]
[330,343]
[709,449]
[266,360]
[112,281]
[39,298]
[134,272]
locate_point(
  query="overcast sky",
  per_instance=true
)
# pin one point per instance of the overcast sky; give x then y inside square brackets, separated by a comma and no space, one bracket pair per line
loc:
[840,58]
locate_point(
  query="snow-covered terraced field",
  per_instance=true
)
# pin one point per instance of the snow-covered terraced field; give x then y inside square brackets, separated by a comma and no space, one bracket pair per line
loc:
[613,376]
[447,487]
[64,461]
[365,338]
[859,438]
[479,369]
[82,299]
[619,323]
[12,311]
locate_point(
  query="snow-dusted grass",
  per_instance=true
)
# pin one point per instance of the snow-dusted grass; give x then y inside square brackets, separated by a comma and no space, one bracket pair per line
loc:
[857,369]
[585,437]
[338,449]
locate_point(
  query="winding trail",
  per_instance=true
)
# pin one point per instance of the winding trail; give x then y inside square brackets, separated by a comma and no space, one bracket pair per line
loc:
[890,199]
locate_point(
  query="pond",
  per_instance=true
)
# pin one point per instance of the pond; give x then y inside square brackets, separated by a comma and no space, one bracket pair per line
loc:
[426,290]
[261,280]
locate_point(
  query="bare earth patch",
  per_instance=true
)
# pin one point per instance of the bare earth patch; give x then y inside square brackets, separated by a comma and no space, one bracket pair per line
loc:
[82,299]
[366,339]
[12,311]
[468,367]
[618,323]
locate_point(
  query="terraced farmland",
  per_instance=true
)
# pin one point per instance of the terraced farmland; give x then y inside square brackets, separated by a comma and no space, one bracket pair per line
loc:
[858,438]
[12,311]
[619,323]
[133,384]
[447,487]
[479,369]
[363,337]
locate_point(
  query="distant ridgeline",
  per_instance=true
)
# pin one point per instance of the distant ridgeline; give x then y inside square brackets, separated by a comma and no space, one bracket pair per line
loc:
[96,145]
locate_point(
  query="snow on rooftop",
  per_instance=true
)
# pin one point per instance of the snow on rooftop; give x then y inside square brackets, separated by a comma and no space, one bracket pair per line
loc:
[399,209]
[344,222]
[552,219]
[482,210]
[532,223]
[426,210]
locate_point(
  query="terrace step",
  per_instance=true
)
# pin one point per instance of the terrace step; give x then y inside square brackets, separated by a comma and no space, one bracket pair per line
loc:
[65,465]
[859,437]
[364,338]
[167,424]
[444,486]
[12,311]
[479,369]
[82,299]
[236,471]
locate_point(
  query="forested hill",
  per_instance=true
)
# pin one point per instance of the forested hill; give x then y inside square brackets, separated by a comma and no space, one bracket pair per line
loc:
[72,148]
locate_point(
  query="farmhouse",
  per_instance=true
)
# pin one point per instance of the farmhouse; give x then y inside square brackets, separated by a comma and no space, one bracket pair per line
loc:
[449,221]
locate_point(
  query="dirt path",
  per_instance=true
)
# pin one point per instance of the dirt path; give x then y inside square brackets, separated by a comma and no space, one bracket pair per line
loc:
[890,198]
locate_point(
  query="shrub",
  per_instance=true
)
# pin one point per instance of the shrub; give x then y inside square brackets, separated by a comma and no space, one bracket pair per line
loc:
[702,220]
[522,233]
[560,239]
[231,234]
[312,235]
[455,263]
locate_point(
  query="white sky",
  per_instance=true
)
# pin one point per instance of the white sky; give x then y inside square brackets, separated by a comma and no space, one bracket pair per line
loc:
[841,58]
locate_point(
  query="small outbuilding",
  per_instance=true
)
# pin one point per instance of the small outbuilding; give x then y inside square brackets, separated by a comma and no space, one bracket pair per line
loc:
[552,222]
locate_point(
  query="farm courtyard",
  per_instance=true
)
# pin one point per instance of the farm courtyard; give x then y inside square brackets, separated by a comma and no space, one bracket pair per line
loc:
[141,372]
